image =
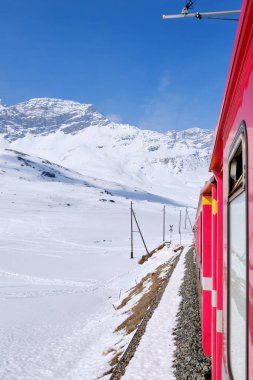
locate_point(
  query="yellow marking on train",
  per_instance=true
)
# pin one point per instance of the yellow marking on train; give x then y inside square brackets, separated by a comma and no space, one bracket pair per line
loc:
[214,206]
[206,200]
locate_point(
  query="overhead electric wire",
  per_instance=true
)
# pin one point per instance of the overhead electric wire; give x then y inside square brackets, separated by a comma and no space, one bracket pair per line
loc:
[220,18]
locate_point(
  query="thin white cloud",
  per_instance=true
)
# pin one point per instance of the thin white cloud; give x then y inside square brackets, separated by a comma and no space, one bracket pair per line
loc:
[164,83]
[168,109]
[114,117]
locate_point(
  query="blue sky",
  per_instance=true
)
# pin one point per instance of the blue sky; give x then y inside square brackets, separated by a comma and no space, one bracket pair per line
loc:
[119,55]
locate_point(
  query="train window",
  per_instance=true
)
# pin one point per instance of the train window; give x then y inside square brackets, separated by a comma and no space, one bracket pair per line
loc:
[236,170]
[237,259]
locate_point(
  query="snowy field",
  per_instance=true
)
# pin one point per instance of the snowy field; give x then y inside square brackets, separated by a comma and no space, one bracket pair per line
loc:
[65,264]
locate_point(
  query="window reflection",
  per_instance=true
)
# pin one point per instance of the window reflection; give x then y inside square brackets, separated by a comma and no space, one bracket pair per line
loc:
[237,284]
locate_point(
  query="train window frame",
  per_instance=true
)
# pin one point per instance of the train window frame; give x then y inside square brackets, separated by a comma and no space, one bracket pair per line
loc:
[240,186]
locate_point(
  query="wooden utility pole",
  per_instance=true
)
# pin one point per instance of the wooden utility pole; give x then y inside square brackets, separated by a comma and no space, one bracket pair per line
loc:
[133,218]
[189,220]
[164,223]
[142,238]
[132,233]
[180,225]
[171,230]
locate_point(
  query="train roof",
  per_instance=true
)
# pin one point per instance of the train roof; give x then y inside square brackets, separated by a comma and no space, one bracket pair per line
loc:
[243,36]
[206,190]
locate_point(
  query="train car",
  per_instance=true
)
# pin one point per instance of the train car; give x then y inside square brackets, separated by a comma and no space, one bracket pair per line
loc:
[208,237]
[224,223]
[204,266]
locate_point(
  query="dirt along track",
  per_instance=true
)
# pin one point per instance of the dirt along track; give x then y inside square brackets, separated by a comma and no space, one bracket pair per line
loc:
[120,368]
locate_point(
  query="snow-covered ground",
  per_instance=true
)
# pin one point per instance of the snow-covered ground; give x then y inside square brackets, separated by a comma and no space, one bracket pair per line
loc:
[65,264]
[65,230]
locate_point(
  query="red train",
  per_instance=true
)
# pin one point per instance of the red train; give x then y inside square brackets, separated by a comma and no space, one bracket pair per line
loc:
[224,222]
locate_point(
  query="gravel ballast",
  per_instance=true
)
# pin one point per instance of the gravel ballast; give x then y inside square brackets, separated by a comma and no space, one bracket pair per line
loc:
[189,362]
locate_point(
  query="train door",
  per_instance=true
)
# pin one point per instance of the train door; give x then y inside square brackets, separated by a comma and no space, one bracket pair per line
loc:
[237,292]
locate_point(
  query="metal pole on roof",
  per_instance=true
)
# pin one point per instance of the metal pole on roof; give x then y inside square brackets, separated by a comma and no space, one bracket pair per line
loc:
[200,15]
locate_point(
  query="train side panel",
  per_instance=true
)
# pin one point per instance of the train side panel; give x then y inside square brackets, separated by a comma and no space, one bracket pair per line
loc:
[206,273]
[232,160]
[214,277]
[219,277]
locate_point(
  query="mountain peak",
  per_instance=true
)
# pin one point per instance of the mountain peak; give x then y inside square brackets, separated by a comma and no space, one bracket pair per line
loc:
[42,116]
[53,102]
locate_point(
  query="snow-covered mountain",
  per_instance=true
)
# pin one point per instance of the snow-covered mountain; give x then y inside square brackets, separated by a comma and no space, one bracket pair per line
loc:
[45,116]
[77,136]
